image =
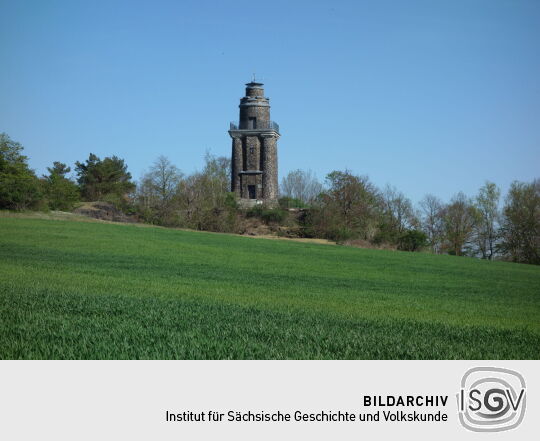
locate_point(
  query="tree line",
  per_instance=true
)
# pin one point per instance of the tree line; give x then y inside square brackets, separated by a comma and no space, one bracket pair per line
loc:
[351,207]
[344,208]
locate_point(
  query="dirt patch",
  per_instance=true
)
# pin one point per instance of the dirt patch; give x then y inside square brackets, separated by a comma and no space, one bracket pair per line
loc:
[104,211]
[359,243]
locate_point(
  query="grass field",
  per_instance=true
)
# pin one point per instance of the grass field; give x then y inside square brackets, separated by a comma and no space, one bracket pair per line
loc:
[95,290]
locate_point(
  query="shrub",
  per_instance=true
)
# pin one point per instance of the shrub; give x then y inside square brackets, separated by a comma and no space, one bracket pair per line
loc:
[255,211]
[288,202]
[339,234]
[276,215]
[412,240]
[267,215]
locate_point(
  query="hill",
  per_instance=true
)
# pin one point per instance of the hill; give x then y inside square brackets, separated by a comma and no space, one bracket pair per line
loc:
[72,289]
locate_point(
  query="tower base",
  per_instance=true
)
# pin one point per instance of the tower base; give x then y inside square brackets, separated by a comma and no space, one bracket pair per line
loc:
[250,203]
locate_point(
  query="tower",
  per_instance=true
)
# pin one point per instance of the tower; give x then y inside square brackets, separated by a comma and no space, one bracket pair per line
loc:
[254,149]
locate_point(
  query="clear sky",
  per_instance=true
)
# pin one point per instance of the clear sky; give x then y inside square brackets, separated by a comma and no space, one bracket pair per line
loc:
[429,96]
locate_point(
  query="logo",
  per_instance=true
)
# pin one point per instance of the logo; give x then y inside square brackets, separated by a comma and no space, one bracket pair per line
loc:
[491,399]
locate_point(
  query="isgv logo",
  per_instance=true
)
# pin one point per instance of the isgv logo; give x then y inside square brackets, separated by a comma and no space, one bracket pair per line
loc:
[491,399]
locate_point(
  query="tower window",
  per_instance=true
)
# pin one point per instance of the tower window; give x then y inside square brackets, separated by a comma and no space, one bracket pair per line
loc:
[252,122]
[252,150]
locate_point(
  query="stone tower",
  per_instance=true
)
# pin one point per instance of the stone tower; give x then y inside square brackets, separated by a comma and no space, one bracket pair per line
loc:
[254,150]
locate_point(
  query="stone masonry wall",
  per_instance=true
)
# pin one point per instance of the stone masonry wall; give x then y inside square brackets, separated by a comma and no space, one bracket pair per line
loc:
[236,164]
[254,148]
[270,171]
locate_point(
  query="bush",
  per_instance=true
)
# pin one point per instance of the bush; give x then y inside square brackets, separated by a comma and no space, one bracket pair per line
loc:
[230,201]
[19,191]
[287,202]
[267,215]
[339,234]
[412,240]
[307,225]
[255,211]
[385,235]
[273,215]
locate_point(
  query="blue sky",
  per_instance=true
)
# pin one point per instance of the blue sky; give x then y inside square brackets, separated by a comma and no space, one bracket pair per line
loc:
[429,96]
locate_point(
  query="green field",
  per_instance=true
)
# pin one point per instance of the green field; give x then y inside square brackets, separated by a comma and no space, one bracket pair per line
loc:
[94,290]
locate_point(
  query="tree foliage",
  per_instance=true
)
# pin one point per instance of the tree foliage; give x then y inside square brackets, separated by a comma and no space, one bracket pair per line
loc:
[520,228]
[487,217]
[61,193]
[19,186]
[412,240]
[431,213]
[204,197]
[201,200]
[459,218]
[100,178]
[397,216]
[349,208]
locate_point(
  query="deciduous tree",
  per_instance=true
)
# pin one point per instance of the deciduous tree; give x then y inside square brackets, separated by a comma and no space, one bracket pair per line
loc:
[349,208]
[485,231]
[520,226]
[431,211]
[19,186]
[301,185]
[157,190]
[397,215]
[204,197]
[459,218]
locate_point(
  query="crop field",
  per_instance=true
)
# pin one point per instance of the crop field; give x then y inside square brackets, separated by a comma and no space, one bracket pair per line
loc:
[83,290]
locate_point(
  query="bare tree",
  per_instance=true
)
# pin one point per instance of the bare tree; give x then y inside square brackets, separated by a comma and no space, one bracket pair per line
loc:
[204,197]
[431,209]
[164,177]
[157,189]
[398,210]
[216,178]
[301,185]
